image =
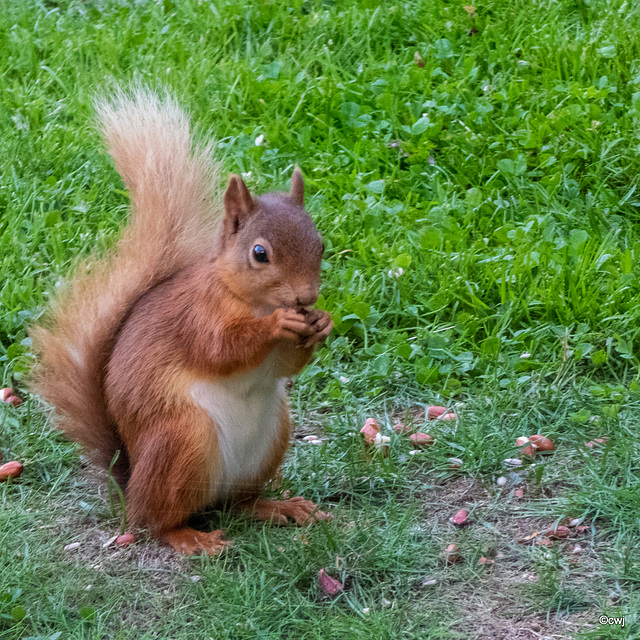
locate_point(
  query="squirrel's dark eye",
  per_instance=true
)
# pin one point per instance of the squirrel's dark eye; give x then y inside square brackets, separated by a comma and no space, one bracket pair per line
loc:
[260,253]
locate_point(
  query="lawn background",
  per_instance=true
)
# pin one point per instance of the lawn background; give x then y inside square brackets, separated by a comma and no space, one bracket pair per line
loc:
[474,173]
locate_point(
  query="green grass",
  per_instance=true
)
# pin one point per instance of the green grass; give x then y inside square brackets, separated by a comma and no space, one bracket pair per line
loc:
[479,203]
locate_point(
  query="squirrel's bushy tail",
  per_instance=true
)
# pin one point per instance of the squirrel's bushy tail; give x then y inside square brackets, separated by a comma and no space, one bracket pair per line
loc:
[173,222]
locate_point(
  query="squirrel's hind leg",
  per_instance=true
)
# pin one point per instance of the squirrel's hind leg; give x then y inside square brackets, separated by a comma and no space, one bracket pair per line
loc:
[172,477]
[190,542]
[282,512]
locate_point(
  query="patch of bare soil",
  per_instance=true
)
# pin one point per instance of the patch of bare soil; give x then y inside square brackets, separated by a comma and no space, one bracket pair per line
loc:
[510,596]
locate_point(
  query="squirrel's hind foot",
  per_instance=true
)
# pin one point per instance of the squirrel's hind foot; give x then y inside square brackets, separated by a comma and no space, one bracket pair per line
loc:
[282,512]
[190,542]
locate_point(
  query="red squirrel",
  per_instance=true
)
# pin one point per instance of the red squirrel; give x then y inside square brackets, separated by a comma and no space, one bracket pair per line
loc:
[175,348]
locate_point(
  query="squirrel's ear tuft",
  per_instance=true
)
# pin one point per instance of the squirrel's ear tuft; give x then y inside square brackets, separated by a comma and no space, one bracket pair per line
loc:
[238,204]
[297,187]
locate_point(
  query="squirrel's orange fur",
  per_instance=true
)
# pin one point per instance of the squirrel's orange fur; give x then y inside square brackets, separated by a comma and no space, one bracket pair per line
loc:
[175,348]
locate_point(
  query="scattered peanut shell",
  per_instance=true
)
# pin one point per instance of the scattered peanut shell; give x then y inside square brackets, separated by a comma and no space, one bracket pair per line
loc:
[544,542]
[381,443]
[455,463]
[527,448]
[597,442]
[451,554]
[72,546]
[434,412]
[401,428]
[460,518]
[501,481]
[125,540]
[529,538]
[6,393]
[576,550]
[370,430]
[518,493]
[316,441]
[449,416]
[512,463]
[329,585]
[557,533]
[575,522]
[421,440]
[544,445]
[11,470]
[14,401]
[582,528]
[310,438]
[485,561]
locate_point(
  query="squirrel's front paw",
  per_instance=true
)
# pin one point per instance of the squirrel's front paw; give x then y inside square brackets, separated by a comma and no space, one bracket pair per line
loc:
[321,323]
[291,325]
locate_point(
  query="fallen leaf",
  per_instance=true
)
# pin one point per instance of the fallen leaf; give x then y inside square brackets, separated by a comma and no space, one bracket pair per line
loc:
[459,518]
[329,585]
[455,463]
[582,528]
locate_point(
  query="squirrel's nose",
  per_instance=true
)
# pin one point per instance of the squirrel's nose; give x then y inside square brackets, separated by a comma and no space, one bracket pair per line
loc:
[308,298]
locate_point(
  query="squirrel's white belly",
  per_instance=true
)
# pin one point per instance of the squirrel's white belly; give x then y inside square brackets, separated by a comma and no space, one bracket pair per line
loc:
[246,411]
